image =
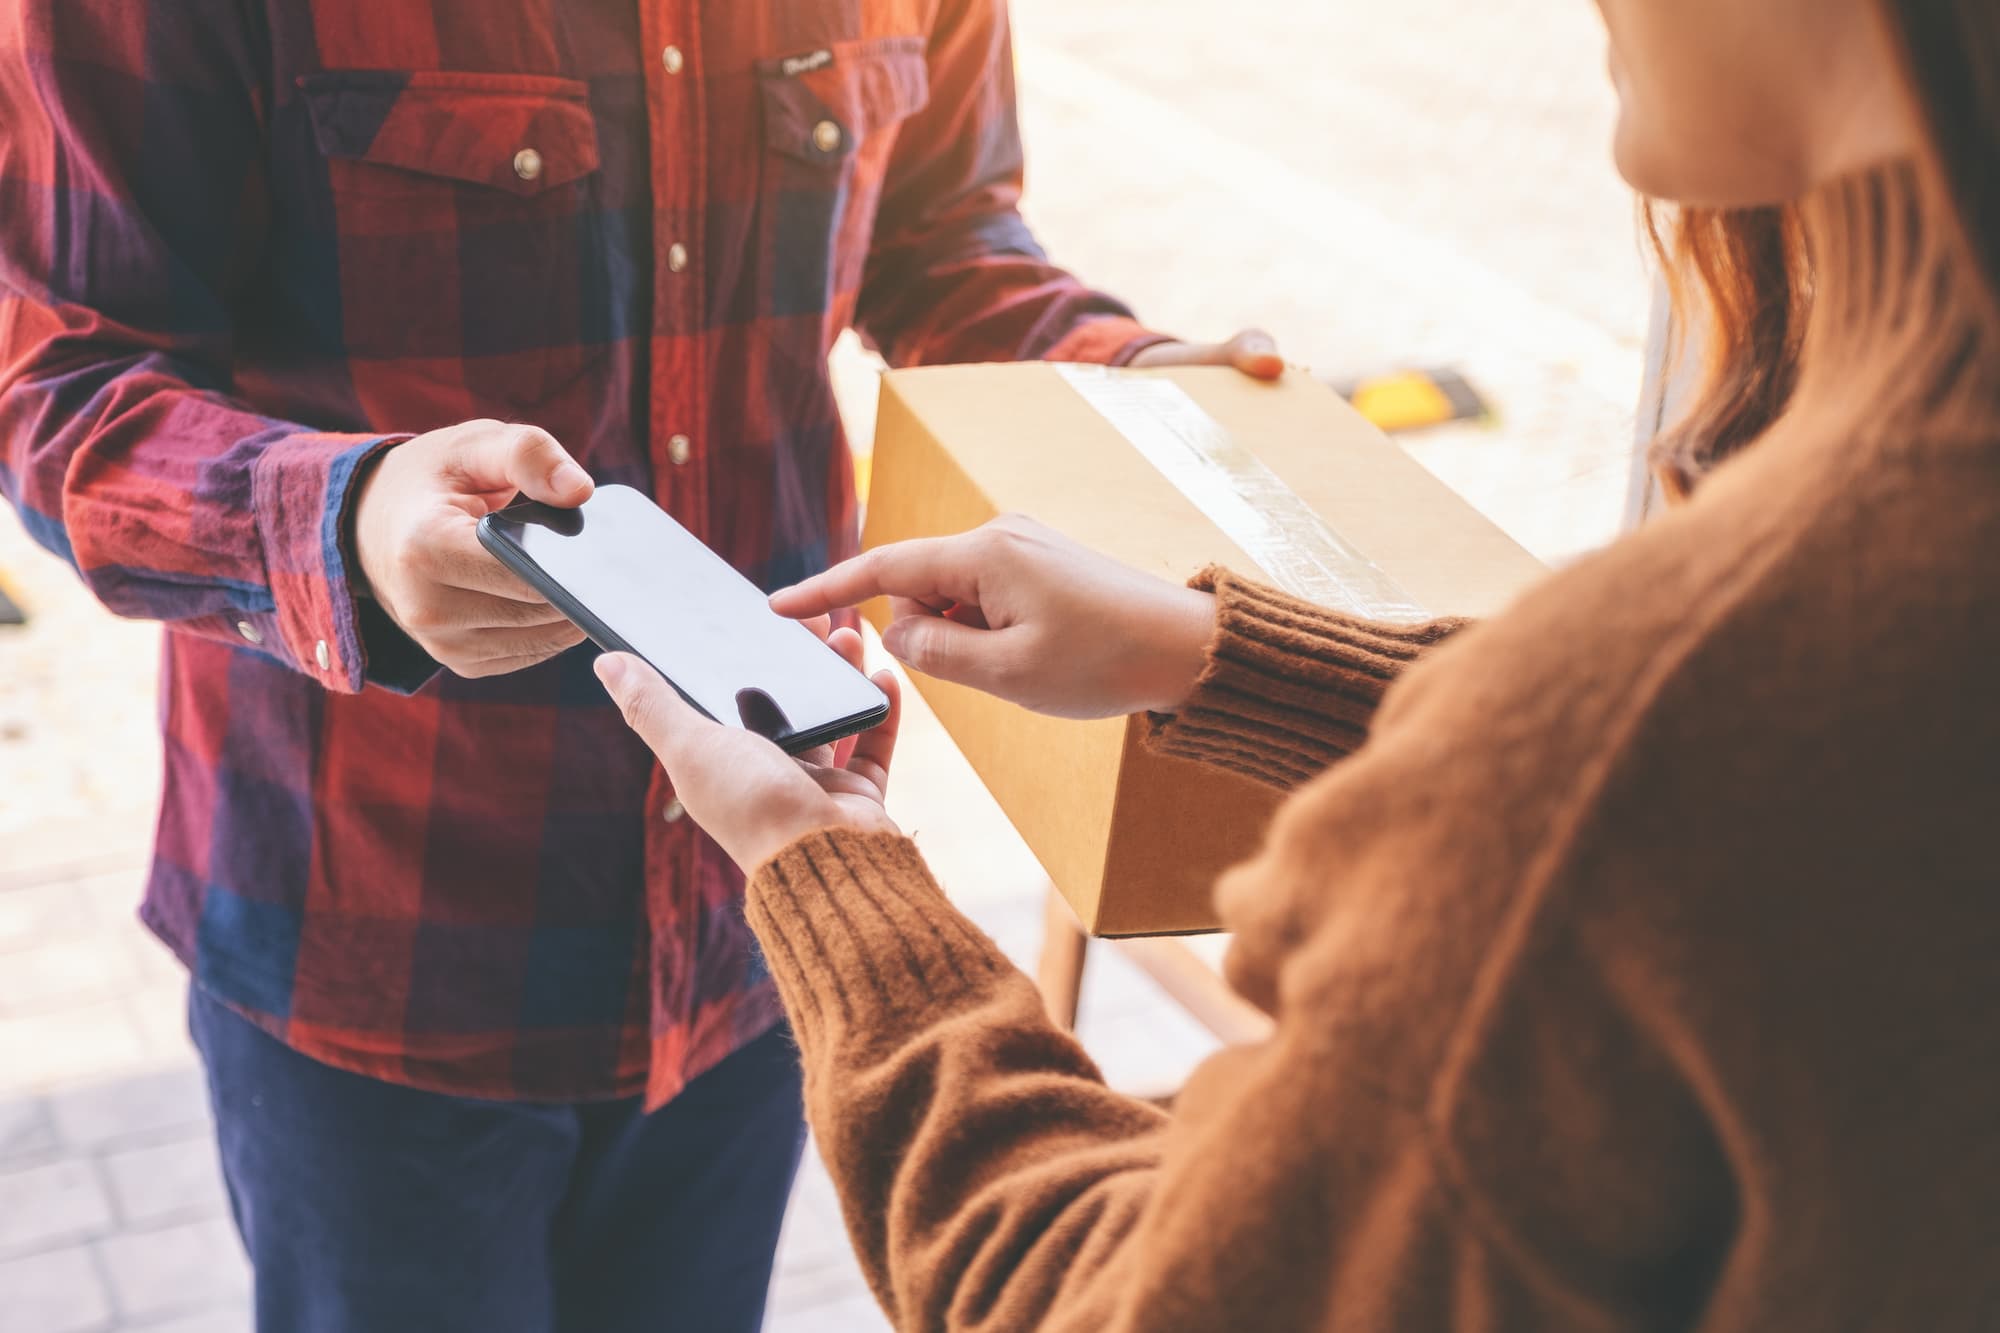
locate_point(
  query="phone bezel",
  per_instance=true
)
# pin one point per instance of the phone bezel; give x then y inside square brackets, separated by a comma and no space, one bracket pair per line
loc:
[510,553]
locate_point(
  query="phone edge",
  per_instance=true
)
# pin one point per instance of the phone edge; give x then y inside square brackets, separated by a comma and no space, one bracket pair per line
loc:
[519,562]
[836,731]
[537,578]
[601,634]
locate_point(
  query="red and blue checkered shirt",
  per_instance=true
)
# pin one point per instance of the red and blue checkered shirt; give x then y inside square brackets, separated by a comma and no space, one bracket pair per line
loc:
[244,244]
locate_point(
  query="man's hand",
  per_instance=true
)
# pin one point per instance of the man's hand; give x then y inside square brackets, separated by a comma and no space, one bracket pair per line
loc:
[415,535]
[1252,351]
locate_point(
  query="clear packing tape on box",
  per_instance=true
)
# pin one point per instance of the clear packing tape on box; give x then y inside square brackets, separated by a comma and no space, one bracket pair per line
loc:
[1241,496]
[1167,471]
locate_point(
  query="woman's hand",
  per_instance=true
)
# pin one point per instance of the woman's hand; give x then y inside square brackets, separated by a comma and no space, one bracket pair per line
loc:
[744,792]
[1019,611]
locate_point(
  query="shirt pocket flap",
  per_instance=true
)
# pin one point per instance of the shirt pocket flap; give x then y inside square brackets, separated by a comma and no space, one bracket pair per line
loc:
[820,105]
[521,133]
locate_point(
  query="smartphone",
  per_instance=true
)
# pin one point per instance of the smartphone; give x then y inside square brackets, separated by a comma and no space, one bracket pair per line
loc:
[637,582]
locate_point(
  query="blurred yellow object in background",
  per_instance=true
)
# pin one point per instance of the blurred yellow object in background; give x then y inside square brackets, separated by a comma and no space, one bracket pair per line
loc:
[12,609]
[864,467]
[1413,399]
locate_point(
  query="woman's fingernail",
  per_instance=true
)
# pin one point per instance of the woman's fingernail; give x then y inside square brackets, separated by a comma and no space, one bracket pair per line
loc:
[570,477]
[611,669]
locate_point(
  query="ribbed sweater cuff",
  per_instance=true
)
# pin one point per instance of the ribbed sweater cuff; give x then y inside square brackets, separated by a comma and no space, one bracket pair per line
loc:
[860,938]
[1290,687]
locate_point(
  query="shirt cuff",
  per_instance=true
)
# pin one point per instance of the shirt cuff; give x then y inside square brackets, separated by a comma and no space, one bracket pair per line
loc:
[303,488]
[1109,340]
[1290,688]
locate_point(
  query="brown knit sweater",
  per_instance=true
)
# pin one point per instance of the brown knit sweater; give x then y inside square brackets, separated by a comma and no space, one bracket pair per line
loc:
[1642,971]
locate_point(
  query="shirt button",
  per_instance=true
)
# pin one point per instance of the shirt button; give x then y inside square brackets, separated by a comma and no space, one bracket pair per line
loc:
[826,136]
[324,657]
[677,258]
[679,449]
[673,810]
[528,164]
[250,633]
[673,60]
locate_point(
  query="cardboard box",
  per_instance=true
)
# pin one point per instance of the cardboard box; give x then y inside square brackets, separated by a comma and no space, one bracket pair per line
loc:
[1168,471]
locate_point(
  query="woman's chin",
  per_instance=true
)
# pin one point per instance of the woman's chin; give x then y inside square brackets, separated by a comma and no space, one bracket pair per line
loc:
[1629,156]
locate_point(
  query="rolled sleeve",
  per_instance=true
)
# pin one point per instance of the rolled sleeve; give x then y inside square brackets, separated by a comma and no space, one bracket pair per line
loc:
[954,274]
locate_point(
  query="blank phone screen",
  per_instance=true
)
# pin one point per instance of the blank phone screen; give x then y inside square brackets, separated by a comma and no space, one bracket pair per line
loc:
[702,625]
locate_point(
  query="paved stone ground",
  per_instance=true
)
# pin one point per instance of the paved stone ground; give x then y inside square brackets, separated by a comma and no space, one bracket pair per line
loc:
[112,1213]
[1418,183]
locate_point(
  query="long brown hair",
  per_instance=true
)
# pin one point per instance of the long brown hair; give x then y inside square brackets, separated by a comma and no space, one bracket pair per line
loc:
[1891,275]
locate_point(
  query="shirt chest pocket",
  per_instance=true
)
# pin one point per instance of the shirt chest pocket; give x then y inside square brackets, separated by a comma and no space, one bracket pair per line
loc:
[831,118]
[466,215]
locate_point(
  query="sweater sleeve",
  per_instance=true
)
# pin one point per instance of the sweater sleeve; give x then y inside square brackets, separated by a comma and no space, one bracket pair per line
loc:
[1520,1073]
[1290,687]
[990,1179]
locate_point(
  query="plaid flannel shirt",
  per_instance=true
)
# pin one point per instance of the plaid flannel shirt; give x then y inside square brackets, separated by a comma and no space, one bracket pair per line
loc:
[245,244]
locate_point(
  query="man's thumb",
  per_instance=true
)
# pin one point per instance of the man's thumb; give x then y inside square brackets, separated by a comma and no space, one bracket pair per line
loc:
[530,461]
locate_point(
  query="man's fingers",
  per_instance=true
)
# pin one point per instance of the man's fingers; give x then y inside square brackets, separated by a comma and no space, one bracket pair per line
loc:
[541,643]
[505,666]
[1173,354]
[651,706]
[455,558]
[925,570]
[483,611]
[478,653]
[500,457]
[1255,353]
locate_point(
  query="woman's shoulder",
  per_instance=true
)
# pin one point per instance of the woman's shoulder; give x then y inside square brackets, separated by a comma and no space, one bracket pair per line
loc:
[1804,585]
[1682,840]
[1788,683]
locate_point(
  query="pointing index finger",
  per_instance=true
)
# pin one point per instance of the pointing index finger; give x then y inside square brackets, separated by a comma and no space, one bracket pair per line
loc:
[932,570]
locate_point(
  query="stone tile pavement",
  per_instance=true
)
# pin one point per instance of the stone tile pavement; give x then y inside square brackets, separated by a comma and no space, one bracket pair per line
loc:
[112,1210]
[1423,182]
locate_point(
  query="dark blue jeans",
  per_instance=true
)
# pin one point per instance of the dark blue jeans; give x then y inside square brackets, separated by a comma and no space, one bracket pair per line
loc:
[372,1208]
